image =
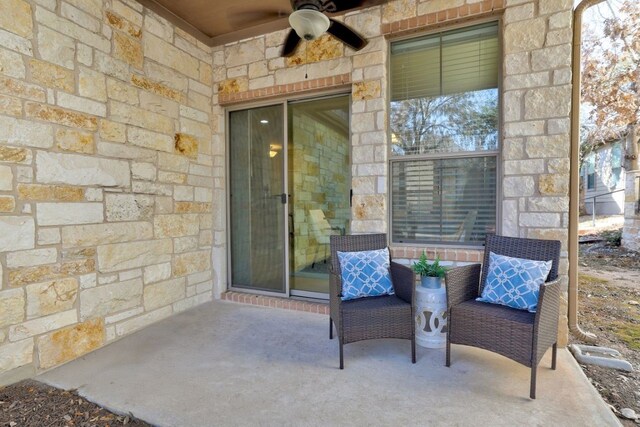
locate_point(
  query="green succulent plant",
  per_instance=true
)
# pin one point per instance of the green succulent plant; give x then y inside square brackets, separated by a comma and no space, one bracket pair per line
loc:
[425,269]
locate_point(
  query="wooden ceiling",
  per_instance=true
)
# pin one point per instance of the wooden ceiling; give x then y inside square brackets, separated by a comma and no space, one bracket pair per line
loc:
[216,22]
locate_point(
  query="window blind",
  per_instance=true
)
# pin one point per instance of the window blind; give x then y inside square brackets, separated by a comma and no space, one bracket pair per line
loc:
[452,62]
[443,200]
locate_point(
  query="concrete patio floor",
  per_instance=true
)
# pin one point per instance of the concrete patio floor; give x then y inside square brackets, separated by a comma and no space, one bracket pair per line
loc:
[230,364]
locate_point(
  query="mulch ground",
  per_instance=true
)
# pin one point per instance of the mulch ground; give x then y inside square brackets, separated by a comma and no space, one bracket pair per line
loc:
[608,296]
[33,404]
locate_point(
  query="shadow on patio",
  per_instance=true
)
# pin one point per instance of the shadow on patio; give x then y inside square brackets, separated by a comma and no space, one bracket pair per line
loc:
[230,364]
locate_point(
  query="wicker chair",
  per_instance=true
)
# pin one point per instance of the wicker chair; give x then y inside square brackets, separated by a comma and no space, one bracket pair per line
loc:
[388,316]
[517,334]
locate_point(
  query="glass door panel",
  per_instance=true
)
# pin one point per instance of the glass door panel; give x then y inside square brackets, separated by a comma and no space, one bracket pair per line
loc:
[319,182]
[257,200]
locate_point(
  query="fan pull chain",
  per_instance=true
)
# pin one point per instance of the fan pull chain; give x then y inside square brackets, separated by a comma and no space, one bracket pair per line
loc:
[306,59]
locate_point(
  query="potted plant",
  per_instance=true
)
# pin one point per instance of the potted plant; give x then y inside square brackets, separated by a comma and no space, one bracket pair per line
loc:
[431,274]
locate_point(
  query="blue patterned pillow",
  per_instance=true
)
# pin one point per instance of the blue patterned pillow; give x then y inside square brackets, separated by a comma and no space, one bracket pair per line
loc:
[514,282]
[365,274]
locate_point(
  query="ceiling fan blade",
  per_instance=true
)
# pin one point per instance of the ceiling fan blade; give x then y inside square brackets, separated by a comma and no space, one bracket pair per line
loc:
[346,35]
[291,43]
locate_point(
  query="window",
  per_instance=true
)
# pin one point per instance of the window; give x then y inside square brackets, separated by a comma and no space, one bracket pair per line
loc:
[616,165]
[444,136]
[591,171]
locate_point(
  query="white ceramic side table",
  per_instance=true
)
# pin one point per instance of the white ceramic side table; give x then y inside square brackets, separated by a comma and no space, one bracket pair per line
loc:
[431,317]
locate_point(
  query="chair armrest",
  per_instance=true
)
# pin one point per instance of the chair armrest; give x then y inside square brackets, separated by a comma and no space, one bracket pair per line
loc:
[545,328]
[403,279]
[462,284]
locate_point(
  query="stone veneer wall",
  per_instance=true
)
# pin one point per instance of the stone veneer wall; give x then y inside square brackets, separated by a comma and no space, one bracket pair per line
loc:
[631,229]
[105,177]
[536,99]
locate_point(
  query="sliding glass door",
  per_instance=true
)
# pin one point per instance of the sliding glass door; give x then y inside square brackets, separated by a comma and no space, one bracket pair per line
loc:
[288,193]
[257,198]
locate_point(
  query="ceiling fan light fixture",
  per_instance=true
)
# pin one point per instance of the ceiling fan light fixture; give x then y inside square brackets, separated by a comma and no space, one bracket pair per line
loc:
[309,24]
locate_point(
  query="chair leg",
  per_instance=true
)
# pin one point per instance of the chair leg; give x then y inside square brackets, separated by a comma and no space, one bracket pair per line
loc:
[554,353]
[341,355]
[447,362]
[330,328]
[413,350]
[532,389]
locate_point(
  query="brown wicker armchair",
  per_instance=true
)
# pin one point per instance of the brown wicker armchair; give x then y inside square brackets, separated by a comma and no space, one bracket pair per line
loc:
[517,334]
[388,316]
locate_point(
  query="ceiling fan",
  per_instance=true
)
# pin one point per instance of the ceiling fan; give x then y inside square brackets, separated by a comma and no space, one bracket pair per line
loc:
[308,21]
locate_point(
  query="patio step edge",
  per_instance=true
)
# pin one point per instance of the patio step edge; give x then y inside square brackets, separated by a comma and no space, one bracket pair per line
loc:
[276,302]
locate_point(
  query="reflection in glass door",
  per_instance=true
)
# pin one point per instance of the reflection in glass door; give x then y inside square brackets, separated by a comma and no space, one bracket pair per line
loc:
[319,182]
[257,199]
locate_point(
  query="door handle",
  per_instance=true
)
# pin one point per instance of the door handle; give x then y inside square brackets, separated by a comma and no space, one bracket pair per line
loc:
[283,198]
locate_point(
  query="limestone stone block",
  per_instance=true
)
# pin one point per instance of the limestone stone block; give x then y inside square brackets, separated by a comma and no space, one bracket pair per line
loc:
[191,262]
[552,57]
[244,52]
[15,155]
[151,188]
[186,244]
[518,186]
[548,146]
[156,273]
[540,219]
[398,10]
[112,131]
[126,26]
[31,257]
[16,233]
[72,29]
[83,105]
[157,88]
[60,116]
[230,86]
[192,207]
[69,213]
[41,273]
[6,178]
[523,36]
[48,236]
[50,192]
[12,305]
[25,132]
[128,49]
[176,225]
[148,139]
[9,105]
[128,207]
[110,298]
[14,355]
[559,166]
[163,293]
[11,64]
[554,184]
[15,16]
[369,207]
[167,54]
[146,171]
[527,128]
[128,13]
[553,6]
[42,325]
[123,92]
[52,75]
[366,90]
[124,256]
[51,297]
[70,343]
[55,47]
[73,140]
[524,167]
[92,84]
[186,145]
[548,204]
[81,170]
[132,325]
[131,115]
[547,102]
[7,204]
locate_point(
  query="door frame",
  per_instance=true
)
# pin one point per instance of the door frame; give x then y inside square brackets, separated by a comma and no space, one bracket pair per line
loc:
[284,102]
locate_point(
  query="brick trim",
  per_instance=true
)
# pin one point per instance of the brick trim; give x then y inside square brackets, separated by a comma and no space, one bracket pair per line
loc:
[286,89]
[276,302]
[448,16]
